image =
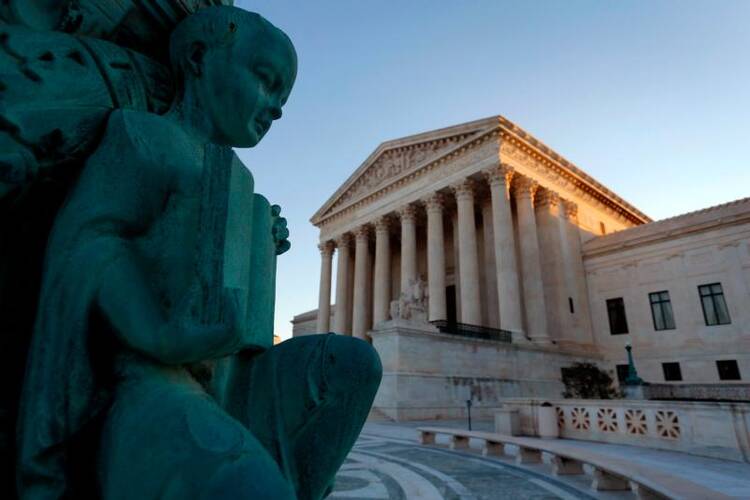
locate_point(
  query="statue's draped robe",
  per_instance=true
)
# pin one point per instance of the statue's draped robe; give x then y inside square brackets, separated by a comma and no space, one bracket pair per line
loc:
[61,390]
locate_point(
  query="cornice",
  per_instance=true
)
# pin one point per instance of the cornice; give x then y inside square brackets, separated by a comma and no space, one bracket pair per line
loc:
[733,213]
[513,143]
[538,156]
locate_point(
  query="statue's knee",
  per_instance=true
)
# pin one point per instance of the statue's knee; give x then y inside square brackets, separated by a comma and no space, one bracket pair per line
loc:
[248,478]
[351,363]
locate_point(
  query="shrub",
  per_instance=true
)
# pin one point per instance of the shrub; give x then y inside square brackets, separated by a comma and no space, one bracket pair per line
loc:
[588,381]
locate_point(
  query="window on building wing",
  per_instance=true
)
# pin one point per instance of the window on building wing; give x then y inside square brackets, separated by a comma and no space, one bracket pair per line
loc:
[661,310]
[672,372]
[715,310]
[728,369]
[618,323]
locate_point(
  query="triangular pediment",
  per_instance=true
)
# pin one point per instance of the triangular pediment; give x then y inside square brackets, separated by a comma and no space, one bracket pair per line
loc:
[394,159]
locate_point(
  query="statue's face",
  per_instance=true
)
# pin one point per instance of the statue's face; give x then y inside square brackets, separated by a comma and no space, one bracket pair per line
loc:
[245,86]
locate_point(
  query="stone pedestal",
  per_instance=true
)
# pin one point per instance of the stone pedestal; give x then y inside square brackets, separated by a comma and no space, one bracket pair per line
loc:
[548,422]
[634,392]
[507,422]
[430,375]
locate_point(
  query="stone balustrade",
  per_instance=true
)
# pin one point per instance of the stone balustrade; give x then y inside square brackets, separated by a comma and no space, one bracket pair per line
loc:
[710,429]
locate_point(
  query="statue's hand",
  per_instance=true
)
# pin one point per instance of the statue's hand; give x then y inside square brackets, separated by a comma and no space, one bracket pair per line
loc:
[280,231]
[191,335]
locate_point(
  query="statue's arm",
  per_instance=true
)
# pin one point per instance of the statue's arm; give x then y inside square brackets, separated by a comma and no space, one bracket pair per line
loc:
[128,301]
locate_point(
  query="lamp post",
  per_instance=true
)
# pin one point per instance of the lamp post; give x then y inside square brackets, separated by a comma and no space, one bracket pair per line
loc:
[632,378]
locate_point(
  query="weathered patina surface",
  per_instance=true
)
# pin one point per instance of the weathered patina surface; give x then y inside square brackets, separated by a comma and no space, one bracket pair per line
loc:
[138,263]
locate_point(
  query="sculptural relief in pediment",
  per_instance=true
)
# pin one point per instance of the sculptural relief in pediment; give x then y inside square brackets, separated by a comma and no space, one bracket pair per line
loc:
[393,163]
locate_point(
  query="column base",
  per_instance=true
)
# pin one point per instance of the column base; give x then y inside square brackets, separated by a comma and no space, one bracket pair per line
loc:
[519,337]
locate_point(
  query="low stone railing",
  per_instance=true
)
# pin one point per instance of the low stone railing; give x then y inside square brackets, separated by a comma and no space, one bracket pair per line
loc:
[607,473]
[719,430]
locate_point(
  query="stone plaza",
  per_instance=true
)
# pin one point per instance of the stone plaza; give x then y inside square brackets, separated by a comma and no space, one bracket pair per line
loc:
[387,463]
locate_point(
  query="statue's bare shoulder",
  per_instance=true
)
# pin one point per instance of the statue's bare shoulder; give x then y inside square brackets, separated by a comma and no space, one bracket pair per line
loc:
[140,162]
[151,142]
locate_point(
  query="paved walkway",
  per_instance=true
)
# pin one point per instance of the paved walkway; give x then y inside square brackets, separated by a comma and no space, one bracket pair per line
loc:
[387,463]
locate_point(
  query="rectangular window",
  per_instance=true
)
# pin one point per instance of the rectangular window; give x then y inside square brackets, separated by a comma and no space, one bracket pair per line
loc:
[728,369]
[618,323]
[661,310]
[715,310]
[672,372]
[570,305]
[622,373]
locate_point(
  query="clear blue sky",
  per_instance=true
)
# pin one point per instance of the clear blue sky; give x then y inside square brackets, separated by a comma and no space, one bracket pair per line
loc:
[650,97]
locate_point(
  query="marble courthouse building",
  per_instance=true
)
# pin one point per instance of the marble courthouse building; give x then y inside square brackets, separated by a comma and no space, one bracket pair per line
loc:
[530,265]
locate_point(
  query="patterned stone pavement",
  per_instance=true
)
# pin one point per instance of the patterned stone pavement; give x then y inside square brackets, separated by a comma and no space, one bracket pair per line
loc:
[387,462]
[390,468]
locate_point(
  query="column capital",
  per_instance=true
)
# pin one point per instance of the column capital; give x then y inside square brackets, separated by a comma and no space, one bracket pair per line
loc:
[501,174]
[362,233]
[464,190]
[434,202]
[407,213]
[525,187]
[546,198]
[326,248]
[382,224]
[570,209]
[343,241]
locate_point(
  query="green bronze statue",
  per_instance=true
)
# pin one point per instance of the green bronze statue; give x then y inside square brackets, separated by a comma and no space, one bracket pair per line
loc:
[151,371]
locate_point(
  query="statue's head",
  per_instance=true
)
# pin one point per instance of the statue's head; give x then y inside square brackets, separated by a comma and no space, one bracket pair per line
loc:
[238,66]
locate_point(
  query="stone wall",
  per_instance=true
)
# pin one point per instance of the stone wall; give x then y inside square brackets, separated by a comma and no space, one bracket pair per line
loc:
[677,256]
[700,392]
[717,430]
[430,375]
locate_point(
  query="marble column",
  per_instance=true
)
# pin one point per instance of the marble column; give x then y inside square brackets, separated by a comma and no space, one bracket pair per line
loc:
[435,258]
[342,285]
[471,309]
[508,289]
[551,250]
[361,286]
[456,264]
[575,274]
[382,286]
[531,273]
[408,246]
[324,294]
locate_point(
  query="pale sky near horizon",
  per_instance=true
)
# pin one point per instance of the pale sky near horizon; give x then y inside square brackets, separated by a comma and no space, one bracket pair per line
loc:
[650,97]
